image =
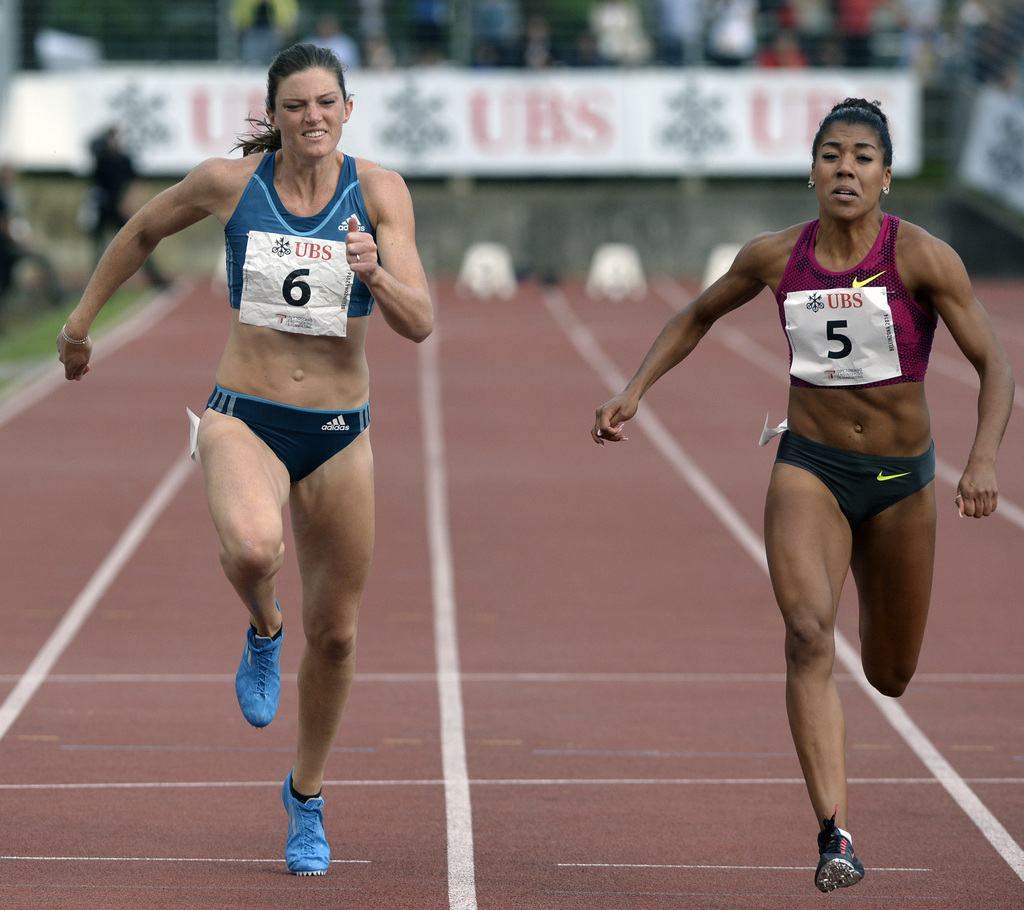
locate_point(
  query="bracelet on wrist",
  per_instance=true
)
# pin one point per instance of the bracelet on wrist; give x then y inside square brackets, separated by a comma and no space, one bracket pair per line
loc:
[69,339]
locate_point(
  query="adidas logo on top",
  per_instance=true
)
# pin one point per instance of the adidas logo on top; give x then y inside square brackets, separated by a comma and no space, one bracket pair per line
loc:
[336,424]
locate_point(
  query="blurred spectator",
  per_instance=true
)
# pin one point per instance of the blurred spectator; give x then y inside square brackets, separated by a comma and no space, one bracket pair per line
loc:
[813,22]
[680,31]
[973,19]
[993,34]
[10,244]
[887,35]
[732,32]
[584,51]
[784,52]
[328,34]
[264,27]
[619,32]
[1013,41]
[773,15]
[379,55]
[537,48]
[920,22]
[497,32]
[429,18]
[372,25]
[855,24]
[113,174]
[16,244]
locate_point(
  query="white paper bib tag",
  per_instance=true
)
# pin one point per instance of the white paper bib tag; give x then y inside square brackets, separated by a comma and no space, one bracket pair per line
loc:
[296,284]
[842,337]
[769,433]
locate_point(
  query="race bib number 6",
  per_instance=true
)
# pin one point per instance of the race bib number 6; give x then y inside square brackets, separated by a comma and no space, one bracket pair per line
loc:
[842,337]
[296,284]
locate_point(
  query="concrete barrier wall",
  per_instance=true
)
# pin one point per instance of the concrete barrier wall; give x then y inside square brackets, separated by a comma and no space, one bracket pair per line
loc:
[553,227]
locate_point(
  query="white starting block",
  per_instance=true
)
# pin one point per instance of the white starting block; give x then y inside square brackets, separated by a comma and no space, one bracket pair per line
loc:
[487,271]
[616,273]
[719,260]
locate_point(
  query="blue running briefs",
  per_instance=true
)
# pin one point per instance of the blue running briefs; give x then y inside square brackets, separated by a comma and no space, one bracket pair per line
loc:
[302,438]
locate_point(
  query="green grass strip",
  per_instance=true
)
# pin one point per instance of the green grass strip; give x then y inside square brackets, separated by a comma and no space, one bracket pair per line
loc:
[32,340]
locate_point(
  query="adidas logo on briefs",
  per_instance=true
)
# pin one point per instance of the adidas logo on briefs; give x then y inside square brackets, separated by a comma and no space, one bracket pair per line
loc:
[336,424]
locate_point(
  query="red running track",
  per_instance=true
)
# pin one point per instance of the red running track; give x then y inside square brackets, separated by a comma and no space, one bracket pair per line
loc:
[570,681]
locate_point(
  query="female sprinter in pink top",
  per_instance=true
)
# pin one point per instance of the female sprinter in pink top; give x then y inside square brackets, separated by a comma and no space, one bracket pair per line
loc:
[859,293]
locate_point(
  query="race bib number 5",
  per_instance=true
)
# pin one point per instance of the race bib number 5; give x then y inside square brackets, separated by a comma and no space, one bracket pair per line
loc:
[842,337]
[296,284]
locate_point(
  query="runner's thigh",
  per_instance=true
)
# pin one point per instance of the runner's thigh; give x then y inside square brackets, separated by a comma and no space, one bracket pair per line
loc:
[333,525]
[807,539]
[246,484]
[893,562]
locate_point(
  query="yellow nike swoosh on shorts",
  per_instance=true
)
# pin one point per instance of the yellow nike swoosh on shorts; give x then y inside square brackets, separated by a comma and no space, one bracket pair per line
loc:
[857,283]
[882,476]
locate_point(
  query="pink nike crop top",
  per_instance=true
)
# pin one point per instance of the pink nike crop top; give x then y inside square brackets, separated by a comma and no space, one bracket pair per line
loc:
[822,319]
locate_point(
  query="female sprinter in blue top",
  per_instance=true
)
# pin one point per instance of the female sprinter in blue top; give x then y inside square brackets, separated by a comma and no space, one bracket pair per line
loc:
[315,239]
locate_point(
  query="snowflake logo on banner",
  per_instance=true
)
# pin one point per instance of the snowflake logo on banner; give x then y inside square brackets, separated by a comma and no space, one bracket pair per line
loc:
[695,126]
[139,118]
[1005,154]
[414,126]
[814,303]
[282,247]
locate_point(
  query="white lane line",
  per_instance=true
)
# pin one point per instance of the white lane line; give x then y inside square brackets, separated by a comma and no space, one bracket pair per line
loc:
[431,678]
[461,869]
[983,818]
[203,785]
[83,605]
[588,348]
[717,867]
[158,859]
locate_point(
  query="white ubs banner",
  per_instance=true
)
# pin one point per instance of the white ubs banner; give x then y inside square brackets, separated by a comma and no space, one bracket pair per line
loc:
[442,122]
[993,157]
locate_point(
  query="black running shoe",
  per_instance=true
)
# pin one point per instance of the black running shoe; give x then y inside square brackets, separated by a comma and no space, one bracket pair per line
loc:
[838,866]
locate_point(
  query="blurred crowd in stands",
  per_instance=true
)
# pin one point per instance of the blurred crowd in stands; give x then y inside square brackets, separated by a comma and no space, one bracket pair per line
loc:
[919,34]
[983,38]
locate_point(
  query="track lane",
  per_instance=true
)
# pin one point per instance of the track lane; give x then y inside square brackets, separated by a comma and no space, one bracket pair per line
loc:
[623,703]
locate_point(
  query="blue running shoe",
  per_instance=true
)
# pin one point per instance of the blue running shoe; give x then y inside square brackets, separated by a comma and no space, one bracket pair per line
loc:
[307,851]
[838,866]
[258,680]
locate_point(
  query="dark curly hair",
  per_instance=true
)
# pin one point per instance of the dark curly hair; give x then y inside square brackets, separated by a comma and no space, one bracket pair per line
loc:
[857,111]
[295,59]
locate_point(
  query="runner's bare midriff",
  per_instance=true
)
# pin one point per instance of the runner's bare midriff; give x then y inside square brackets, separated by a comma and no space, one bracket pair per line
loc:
[304,371]
[885,420]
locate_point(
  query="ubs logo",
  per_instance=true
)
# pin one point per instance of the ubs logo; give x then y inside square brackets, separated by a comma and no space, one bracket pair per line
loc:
[307,250]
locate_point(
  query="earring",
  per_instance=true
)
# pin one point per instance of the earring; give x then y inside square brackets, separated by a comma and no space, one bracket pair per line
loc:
[810,184]
[885,189]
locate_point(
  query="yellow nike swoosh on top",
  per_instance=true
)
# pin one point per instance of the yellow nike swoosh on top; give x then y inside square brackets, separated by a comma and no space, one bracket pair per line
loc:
[857,283]
[882,476]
